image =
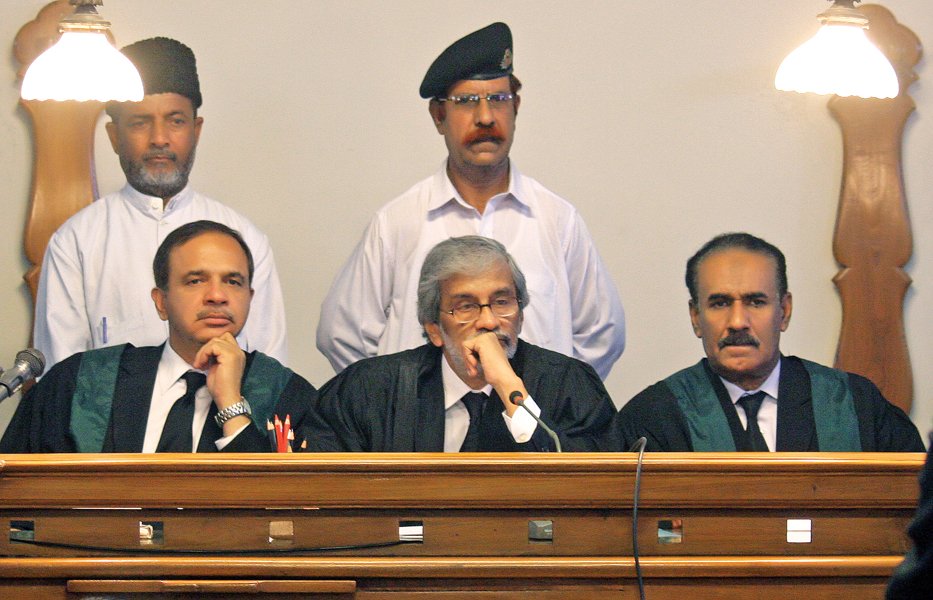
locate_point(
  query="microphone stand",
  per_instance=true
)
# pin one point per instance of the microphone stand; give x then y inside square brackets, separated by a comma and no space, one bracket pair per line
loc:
[517,399]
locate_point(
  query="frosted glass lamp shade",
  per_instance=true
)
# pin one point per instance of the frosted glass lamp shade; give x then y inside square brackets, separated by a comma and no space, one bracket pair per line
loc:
[841,60]
[83,65]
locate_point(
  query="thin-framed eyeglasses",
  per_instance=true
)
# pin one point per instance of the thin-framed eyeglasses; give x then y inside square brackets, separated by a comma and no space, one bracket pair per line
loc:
[468,312]
[496,100]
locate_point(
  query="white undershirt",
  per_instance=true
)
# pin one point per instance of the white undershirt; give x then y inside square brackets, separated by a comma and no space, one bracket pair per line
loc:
[767,414]
[457,420]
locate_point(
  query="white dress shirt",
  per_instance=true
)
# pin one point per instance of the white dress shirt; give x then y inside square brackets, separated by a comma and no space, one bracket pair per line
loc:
[575,308]
[169,387]
[767,414]
[97,276]
[457,420]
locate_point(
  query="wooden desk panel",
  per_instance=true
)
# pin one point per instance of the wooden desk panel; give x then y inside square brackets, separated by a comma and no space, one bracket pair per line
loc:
[475,512]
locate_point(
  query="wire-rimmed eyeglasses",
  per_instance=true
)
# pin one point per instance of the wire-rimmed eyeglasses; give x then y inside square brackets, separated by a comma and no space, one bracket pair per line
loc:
[496,100]
[468,312]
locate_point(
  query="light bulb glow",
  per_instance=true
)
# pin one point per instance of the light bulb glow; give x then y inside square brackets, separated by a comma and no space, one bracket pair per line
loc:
[83,65]
[841,60]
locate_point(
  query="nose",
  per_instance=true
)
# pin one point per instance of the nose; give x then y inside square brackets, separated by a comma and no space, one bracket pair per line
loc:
[215,293]
[738,316]
[158,134]
[487,320]
[483,113]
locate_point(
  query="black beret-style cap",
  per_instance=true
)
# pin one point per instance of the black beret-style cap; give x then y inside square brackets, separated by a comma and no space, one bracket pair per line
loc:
[483,54]
[166,66]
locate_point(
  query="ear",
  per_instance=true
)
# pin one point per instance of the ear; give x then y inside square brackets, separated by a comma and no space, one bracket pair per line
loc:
[694,318]
[515,102]
[787,307]
[111,128]
[198,121]
[438,114]
[434,334]
[158,298]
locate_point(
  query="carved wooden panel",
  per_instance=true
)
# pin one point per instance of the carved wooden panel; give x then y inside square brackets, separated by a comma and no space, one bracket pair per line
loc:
[872,241]
[63,180]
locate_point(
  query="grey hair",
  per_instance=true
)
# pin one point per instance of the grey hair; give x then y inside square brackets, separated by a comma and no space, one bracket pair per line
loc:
[467,255]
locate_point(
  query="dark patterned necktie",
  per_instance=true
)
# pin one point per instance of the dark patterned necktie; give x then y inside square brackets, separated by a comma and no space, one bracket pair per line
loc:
[176,434]
[474,402]
[751,403]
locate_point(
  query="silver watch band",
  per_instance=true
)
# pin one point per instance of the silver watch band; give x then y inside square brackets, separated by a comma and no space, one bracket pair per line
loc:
[234,410]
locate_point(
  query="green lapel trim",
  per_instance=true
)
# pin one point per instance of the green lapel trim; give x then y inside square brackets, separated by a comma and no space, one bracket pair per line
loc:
[709,429]
[93,398]
[837,428]
[264,383]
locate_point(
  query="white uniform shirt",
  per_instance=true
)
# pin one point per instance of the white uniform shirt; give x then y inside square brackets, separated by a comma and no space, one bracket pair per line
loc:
[96,283]
[575,308]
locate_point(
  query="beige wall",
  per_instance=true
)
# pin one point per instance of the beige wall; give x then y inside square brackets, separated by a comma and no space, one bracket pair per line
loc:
[659,120]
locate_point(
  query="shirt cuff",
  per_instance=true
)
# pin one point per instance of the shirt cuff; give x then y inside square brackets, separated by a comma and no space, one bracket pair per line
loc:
[522,425]
[222,442]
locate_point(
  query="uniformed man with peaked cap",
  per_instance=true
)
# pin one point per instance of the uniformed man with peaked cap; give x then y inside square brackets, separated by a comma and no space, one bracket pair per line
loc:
[575,308]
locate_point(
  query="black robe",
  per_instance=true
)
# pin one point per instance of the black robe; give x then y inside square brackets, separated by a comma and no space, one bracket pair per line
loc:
[656,415]
[42,422]
[395,403]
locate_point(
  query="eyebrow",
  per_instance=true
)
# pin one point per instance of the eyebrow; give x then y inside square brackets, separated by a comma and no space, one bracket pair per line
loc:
[746,297]
[202,272]
[499,292]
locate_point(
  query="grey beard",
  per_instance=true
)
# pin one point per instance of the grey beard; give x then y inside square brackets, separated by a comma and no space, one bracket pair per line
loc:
[162,185]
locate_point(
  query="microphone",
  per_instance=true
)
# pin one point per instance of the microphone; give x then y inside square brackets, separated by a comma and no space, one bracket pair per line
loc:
[517,399]
[29,363]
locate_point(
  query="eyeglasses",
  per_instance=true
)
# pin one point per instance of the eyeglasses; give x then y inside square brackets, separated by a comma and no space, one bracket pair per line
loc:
[497,100]
[468,312]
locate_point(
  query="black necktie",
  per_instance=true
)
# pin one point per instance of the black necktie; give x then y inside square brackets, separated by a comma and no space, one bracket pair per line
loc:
[176,434]
[474,402]
[751,403]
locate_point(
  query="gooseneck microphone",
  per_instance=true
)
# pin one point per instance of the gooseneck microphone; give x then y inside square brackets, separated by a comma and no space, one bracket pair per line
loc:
[517,399]
[29,363]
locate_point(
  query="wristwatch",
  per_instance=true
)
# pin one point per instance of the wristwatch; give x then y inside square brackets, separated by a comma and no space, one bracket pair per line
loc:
[234,410]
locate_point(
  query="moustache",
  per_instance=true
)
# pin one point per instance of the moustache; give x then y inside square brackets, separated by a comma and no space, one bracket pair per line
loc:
[160,154]
[738,338]
[502,336]
[213,313]
[492,134]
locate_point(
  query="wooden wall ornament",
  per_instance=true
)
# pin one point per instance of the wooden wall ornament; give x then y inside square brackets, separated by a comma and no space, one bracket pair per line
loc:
[872,241]
[63,179]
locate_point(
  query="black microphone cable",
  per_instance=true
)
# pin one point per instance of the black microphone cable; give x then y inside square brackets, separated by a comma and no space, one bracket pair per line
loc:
[517,399]
[638,446]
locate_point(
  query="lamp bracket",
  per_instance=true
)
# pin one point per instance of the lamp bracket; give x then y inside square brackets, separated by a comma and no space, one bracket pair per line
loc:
[843,12]
[84,18]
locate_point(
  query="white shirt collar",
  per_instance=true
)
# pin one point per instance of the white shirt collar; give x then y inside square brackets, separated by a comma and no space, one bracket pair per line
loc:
[171,368]
[153,205]
[444,191]
[770,385]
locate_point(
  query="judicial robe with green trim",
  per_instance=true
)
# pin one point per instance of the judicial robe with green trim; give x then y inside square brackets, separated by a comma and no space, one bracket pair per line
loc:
[664,414]
[395,403]
[116,383]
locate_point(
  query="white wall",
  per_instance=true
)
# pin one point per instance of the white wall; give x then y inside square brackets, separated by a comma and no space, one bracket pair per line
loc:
[659,120]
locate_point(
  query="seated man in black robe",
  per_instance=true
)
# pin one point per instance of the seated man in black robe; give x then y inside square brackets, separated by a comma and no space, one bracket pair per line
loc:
[745,395]
[199,392]
[453,394]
